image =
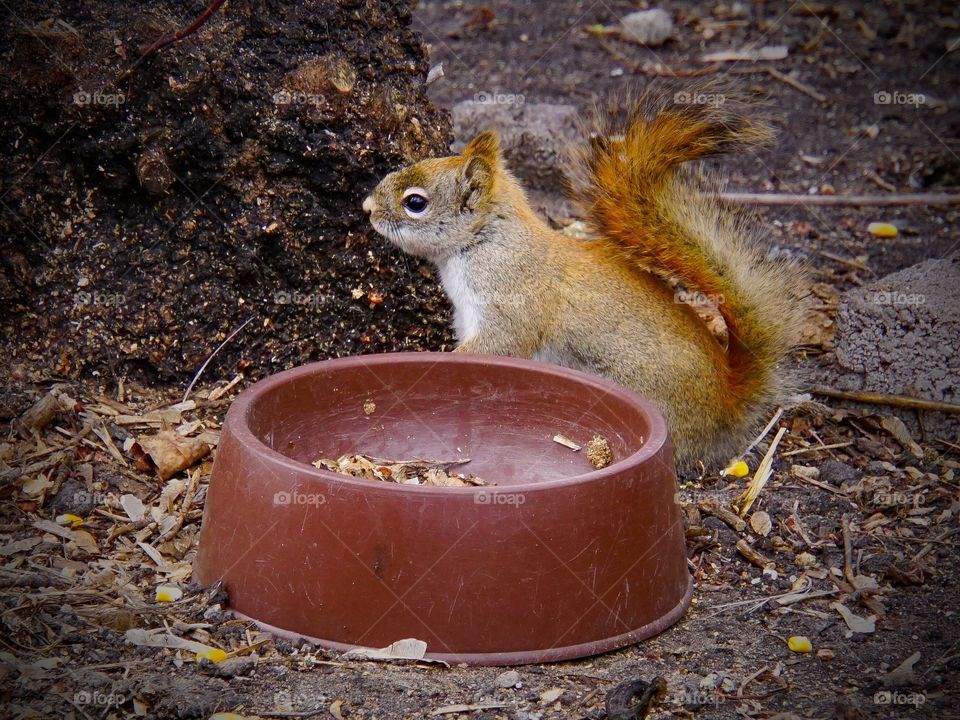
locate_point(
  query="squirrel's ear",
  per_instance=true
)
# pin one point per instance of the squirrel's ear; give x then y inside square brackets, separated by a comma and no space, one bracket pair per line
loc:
[486,146]
[481,158]
[473,182]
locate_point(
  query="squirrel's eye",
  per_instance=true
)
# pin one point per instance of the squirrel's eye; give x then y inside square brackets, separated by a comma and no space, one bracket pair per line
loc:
[415,204]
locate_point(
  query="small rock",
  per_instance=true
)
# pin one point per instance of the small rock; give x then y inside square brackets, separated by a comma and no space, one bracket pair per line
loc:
[760,523]
[534,136]
[725,535]
[873,448]
[898,335]
[73,499]
[648,27]
[507,679]
[836,473]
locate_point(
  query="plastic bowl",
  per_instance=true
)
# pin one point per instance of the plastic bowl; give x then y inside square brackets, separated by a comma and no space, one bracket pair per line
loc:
[556,560]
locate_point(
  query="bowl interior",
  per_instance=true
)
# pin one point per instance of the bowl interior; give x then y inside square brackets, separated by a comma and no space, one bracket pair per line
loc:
[501,415]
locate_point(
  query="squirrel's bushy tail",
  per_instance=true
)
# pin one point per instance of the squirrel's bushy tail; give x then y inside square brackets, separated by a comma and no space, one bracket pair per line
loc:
[635,196]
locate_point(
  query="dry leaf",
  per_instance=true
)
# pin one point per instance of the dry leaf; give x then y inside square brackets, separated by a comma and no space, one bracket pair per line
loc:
[54,529]
[406,472]
[38,484]
[171,453]
[550,696]
[856,623]
[903,673]
[153,554]
[171,491]
[462,708]
[865,584]
[17,546]
[39,669]
[407,649]
[898,430]
[86,542]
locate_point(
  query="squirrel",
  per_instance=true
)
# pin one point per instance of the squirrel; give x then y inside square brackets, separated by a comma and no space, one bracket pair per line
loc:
[610,304]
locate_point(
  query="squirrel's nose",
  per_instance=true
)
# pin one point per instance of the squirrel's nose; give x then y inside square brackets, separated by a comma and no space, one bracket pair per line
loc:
[368,204]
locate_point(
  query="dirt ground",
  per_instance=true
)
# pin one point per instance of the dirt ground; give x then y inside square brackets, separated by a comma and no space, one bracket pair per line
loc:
[858,518]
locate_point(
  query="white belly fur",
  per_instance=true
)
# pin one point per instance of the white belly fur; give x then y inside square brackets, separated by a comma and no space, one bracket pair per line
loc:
[467,306]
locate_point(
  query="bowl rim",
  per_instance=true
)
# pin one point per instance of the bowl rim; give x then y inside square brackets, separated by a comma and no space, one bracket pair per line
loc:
[239,414]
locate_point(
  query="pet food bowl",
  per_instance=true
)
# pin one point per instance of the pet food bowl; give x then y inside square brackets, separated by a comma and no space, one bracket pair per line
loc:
[554,560]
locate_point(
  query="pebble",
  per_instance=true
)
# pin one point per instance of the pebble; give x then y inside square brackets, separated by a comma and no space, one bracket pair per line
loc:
[836,473]
[648,27]
[507,679]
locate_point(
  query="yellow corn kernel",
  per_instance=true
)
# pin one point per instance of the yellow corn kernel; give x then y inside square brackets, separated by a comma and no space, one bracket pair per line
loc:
[212,654]
[70,519]
[882,230]
[738,469]
[799,644]
[168,593]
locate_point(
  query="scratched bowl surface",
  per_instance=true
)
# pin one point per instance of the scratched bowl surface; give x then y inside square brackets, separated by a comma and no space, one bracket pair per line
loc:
[553,560]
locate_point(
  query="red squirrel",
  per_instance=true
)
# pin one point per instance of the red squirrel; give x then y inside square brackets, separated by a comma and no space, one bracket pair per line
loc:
[609,305]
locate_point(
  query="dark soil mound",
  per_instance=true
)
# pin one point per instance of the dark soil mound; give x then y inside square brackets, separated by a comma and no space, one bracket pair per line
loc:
[146,217]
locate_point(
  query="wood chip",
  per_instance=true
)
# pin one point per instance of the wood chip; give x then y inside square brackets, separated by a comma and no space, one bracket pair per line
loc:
[711,506]
[754,556]
[132,506]
[760,477]
[567,442]
[162,639]
[768,52]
